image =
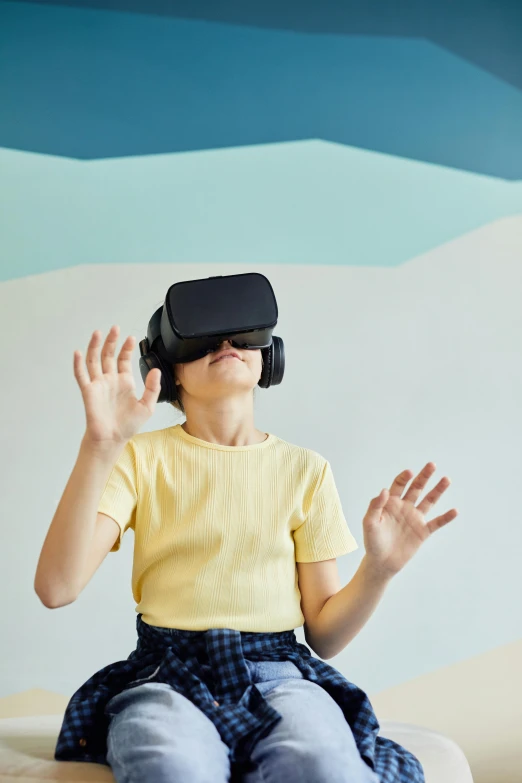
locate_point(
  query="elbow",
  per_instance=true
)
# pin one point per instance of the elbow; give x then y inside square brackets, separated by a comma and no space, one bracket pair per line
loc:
[325,655]
[318,644]
[53,599]
[54,602]
[51,604]
[315,646]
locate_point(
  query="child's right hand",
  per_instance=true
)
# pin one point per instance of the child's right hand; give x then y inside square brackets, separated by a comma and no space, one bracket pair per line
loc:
[113,412]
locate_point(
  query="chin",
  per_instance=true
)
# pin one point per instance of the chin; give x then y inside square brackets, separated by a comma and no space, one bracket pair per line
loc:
[231,389]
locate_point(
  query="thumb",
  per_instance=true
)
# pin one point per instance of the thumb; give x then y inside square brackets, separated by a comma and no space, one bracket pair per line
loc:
[152,388]
[373,515]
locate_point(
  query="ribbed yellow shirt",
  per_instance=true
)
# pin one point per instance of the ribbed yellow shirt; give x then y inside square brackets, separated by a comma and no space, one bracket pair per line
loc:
[218,529]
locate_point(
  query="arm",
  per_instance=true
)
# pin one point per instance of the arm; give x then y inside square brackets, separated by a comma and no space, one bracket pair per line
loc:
[394,529]
[334,616]
[78,539]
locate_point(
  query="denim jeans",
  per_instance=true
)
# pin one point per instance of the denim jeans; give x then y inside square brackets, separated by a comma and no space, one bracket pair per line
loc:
[156,734]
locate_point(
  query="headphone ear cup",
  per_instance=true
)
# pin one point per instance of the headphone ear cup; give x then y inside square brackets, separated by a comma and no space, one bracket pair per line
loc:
[273,364]
[151,361]
[266,372]
[278,361]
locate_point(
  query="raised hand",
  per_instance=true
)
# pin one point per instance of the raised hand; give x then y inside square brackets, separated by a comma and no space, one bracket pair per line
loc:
[394,527]
[114,414]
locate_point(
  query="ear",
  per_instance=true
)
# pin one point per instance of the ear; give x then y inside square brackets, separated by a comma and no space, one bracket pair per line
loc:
[174,374]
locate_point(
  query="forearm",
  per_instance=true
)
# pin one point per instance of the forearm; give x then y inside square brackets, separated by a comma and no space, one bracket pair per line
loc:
[346,612]
[70,534]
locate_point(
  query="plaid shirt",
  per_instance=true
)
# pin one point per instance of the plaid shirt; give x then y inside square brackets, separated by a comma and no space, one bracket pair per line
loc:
[208,667]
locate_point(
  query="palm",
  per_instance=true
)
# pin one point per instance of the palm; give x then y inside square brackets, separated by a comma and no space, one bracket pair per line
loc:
[111,406]
[394,527]
[113,412]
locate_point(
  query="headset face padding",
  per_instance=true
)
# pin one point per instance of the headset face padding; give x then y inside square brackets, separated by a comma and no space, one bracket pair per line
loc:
[272,374]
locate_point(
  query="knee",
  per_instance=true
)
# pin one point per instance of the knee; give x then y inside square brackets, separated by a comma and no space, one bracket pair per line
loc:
[336,768]
[179,767]
[161,766]
[156,734]
[165,764]
[317,764]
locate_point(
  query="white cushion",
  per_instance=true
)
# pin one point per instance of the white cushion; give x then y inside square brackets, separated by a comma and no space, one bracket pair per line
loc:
[27,750]
[442,759]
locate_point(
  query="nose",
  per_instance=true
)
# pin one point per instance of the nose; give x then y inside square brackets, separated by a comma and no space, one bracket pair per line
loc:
[222,346]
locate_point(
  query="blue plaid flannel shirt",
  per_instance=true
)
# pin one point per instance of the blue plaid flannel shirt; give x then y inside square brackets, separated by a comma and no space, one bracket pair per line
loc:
[208,667]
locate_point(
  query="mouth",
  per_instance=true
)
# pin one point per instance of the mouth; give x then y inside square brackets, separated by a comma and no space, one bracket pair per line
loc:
[228,355]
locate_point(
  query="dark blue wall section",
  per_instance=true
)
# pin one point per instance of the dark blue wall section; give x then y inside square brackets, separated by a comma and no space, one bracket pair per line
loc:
[93,83]
[487,32]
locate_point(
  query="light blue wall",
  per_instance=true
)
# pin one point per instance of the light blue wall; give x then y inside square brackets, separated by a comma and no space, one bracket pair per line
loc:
[308,202]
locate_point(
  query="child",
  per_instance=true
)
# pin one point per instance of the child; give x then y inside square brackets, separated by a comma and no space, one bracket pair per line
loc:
[236,535]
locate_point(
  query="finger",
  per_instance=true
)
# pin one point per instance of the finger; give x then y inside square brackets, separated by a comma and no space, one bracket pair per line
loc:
[373,515]
[397,488]
[152,388]
[109,347]
[434,495]
[439,522]
[93,359]
[79,371]
[125,355]
[419,482]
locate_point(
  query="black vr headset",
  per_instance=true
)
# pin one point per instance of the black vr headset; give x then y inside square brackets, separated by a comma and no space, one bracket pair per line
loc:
[198,315]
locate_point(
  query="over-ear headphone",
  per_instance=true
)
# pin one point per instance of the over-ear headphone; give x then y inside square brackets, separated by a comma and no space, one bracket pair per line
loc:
[151,360]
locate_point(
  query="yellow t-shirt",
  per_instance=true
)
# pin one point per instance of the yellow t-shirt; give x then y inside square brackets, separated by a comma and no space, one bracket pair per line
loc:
[218,529]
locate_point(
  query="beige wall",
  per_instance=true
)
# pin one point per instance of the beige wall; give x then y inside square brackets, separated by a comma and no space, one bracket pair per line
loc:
[477,702]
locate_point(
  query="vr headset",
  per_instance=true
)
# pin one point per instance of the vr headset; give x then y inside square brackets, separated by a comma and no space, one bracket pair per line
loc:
[198,315]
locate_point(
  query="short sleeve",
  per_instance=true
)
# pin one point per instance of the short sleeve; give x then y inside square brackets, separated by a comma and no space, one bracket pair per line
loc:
[324,534]
[119,498]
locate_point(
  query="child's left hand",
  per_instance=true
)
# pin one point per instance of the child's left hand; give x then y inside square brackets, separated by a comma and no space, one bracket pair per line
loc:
[394,527]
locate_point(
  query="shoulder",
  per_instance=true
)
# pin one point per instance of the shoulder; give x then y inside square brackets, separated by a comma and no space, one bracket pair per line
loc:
[149,443]
[300,452]
[302,458]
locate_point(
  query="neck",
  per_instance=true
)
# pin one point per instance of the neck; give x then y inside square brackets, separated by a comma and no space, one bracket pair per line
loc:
[228,422]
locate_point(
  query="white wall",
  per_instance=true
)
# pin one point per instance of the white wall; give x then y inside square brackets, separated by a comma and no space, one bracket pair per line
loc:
[387,368]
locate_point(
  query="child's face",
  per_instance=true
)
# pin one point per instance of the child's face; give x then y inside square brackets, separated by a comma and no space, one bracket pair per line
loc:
[219,375]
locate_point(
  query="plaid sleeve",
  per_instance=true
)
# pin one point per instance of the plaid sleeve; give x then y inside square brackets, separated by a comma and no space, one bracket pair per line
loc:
[324,534]
[119,498]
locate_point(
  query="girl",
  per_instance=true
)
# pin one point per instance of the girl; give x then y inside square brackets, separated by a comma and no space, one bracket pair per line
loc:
[236,535]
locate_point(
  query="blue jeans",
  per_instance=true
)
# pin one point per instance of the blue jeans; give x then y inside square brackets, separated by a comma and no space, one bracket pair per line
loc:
[156,734]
